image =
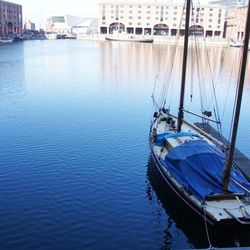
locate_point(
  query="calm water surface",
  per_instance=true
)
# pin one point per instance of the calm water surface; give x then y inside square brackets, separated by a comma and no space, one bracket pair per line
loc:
[75,169]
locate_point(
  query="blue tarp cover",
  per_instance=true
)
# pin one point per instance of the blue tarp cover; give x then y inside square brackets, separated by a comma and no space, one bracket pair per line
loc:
[161,137]
[198,166]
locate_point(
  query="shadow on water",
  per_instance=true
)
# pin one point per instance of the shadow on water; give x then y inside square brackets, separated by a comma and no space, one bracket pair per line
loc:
[184,219]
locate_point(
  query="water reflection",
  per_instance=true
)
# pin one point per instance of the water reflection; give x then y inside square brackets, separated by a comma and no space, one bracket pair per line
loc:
[12,70]
[180,219]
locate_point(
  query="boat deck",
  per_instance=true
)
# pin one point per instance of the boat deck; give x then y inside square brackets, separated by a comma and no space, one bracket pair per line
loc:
[240,159]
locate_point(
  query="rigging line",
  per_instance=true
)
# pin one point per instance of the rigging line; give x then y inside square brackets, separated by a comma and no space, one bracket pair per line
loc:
[219,73]
[206,227]
[216,109]
[228,89]
[174,54]
[156,79]
[214,89]
[200,76]
[158,71]
[235,101]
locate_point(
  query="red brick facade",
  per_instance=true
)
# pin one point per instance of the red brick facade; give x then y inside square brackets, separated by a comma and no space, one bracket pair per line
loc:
[11,19]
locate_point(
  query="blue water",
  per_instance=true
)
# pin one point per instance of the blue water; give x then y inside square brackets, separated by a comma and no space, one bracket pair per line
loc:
[75,170]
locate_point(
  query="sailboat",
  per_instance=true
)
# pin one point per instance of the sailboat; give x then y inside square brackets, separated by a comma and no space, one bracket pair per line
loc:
[197,167]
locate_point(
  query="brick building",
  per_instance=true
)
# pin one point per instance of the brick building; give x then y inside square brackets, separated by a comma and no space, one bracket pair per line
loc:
[11,19]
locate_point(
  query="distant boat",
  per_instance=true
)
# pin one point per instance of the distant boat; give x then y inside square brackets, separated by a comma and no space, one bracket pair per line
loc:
[70,36]
[124,37]
[236,44]
[6,41]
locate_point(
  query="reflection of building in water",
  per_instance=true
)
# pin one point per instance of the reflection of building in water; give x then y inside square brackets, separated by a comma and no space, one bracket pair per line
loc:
[236,22]
[11,19]
[160,18]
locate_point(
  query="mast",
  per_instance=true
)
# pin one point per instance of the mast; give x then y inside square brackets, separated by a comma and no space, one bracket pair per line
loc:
[184,66]
[227,169]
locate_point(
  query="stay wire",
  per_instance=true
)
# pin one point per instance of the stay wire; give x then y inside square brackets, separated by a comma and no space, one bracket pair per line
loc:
[168,79]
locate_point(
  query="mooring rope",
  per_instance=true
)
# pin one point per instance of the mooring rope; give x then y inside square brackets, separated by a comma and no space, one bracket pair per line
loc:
[206,227]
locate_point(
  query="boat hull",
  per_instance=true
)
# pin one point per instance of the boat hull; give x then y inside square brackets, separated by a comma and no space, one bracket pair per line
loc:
[138,40]
[168,182]
[7,41]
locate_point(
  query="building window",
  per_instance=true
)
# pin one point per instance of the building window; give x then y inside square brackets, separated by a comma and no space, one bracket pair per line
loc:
[139,12]
[103,23]
[174,18]
[121,17]
[175,13]
[209,26]
[130,17]
[139,6]
[157,12]
[148,12]
[211,9]
[174,25]
[139,17]
[157,18]
[148,24]
[166,18]
[138,23]
[130,12]
[166,13]
[148,7]
[148,17]
[210,14]
[130,23]
[218,27]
